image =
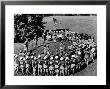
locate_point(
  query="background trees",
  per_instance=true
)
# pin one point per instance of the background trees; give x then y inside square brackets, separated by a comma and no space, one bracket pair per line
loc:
[27,26]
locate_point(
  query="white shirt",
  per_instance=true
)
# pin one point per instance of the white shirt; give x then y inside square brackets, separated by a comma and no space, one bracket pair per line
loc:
[61,58]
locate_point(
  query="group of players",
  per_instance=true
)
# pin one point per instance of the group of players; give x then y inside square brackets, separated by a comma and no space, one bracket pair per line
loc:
[60,63]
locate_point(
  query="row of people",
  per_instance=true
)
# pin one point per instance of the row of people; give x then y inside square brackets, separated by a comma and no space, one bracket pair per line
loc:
[48,64]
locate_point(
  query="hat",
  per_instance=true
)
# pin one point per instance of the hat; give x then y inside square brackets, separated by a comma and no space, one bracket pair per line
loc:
[45,57]
[50,62]
[61,58]
[72,55]
[32,56]
[26,57]
[39,56]
[39,62]
[79,52]
[66,58]
[56,57]
[51,58]
[35,58]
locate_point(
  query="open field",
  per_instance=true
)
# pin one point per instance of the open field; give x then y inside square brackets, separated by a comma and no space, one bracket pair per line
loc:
[39,49]
[85,24]
[18,47]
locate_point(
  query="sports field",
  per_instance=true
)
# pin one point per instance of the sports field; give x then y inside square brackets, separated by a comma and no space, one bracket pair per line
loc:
[81,24]
[85,24]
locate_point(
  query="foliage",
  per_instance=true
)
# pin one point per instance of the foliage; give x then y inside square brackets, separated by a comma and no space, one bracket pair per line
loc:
[27,26]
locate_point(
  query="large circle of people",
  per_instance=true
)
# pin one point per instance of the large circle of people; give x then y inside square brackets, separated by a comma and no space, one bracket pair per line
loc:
[81,52]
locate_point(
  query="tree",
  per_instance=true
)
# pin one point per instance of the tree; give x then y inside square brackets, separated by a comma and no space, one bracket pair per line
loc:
[27,26]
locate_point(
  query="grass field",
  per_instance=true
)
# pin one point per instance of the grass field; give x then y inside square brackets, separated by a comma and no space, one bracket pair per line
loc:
[18,47]
[39,49]
[85,24]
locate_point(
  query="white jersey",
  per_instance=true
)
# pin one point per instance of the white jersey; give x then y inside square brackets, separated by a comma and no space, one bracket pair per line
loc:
[50,62]
[27,57]
[51,67]
[79,53]
[73,56]
[39,66]
[56,66]
[27,65]
[44,65]
[61,67]
[67,58]
[72,65]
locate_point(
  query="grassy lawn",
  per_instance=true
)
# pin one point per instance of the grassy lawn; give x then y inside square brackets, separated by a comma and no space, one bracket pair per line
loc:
[39,49]
[18,47]
[85,24]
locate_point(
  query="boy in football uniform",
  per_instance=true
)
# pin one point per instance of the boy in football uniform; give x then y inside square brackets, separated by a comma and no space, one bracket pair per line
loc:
[61,66]
[16,63]
[56,67]
[67,66]
[86,57]
[92,53]
[61,70]
[51,68]
[22,65]
[78,59]
[33,65]
[73,63]
[45,67]
[26,45]
[27,62]
[39,68]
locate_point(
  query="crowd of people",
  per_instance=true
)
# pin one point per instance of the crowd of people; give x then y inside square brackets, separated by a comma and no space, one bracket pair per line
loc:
[65,61]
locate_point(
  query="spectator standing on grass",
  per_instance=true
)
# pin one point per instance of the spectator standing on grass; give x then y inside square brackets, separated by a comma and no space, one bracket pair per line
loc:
[46,49]
[22,65]
[26,45]
[17,63]
[27,62]
[35,40]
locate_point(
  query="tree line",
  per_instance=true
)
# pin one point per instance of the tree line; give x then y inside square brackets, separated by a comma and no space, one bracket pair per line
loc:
[27,26]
